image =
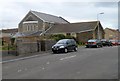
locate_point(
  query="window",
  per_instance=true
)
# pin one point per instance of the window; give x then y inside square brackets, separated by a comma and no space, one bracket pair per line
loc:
[68,34]
[27,27]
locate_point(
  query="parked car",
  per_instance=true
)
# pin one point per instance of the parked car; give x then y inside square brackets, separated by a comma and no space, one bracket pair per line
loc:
[106,42]
[64,45]
[118,42]
[93,43]
[114,42]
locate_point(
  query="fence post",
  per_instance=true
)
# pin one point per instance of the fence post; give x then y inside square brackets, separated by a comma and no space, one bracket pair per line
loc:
[8,48]
[16,50]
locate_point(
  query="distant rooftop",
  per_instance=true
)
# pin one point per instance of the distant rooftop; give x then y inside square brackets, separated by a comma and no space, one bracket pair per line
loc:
[9,30]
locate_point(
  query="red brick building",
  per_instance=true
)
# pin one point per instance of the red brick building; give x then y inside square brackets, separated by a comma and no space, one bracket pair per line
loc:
[112,34]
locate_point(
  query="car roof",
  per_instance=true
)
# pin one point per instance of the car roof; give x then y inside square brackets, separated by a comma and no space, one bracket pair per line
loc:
[65,39]
[92,39]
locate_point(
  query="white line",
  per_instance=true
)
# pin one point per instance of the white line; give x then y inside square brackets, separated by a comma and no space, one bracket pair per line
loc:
[19,59]
[48,63]
[68,57]
[19,70]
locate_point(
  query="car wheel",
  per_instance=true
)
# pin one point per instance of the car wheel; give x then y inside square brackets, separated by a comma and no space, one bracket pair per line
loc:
[100,46]
[75,49]
[54,52]
[97,46]
[66,50]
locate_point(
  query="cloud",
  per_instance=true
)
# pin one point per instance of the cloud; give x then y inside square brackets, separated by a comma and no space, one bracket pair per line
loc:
[13,11]
[106,4]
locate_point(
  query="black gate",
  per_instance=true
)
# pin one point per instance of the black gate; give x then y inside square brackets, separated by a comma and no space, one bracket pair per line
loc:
[38,46]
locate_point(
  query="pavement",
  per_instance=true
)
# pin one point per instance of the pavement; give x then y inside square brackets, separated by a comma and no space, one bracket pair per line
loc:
[12,57]
[86,63]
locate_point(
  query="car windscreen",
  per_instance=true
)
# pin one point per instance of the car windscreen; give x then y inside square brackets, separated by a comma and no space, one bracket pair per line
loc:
[103,40]
[61,42]
[91,40]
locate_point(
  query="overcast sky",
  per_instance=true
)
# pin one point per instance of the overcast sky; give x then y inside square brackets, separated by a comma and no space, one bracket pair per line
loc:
[13,11]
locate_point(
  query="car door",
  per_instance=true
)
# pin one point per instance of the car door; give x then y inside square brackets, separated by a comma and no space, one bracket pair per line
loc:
[99,43]
[73,44]
[69,45]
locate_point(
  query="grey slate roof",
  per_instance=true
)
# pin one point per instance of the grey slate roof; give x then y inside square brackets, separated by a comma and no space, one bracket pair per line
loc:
[73,27]
[49,18]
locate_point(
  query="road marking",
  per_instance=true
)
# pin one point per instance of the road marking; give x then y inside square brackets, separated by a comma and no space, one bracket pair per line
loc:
[19,70]
[68,57]
[94,49]
[43,68]
[48,63]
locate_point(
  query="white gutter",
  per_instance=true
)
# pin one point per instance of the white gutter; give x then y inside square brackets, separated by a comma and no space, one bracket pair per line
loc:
[46,30]
[86,30]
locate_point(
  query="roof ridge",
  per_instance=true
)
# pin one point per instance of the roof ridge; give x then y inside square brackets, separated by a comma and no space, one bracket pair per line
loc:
[44,13]
[111,29]
[85,22]
[49,17]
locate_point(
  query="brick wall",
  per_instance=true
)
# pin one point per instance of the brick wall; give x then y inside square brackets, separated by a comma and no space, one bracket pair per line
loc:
[109,34]
[83,37]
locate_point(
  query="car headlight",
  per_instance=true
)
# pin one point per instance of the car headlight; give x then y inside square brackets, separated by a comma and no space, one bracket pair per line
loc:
[52,46]
[62,47]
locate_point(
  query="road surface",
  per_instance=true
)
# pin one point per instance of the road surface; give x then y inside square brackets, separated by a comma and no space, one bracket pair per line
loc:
[87,63]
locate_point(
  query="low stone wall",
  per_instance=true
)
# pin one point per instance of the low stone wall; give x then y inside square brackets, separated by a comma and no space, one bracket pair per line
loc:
[23,48]
[47,44]
[4,53]
[8,53]
[32,47]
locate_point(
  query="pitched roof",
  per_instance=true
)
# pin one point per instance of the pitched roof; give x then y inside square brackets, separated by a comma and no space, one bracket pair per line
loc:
[49,18]
[73,27]
[113,30]
[5,35]
[10,30]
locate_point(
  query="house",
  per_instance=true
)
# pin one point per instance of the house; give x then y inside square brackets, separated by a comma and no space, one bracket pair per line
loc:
[82,31]
[112,34]
[7,34]
[35,23]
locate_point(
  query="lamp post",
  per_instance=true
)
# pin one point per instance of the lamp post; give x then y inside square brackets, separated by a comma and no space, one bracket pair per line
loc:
[98,24]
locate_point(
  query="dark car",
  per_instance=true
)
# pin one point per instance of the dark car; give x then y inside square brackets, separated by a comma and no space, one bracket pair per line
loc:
[114,42]
[118,42]
[64,45]
[106,42]
[93,43]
